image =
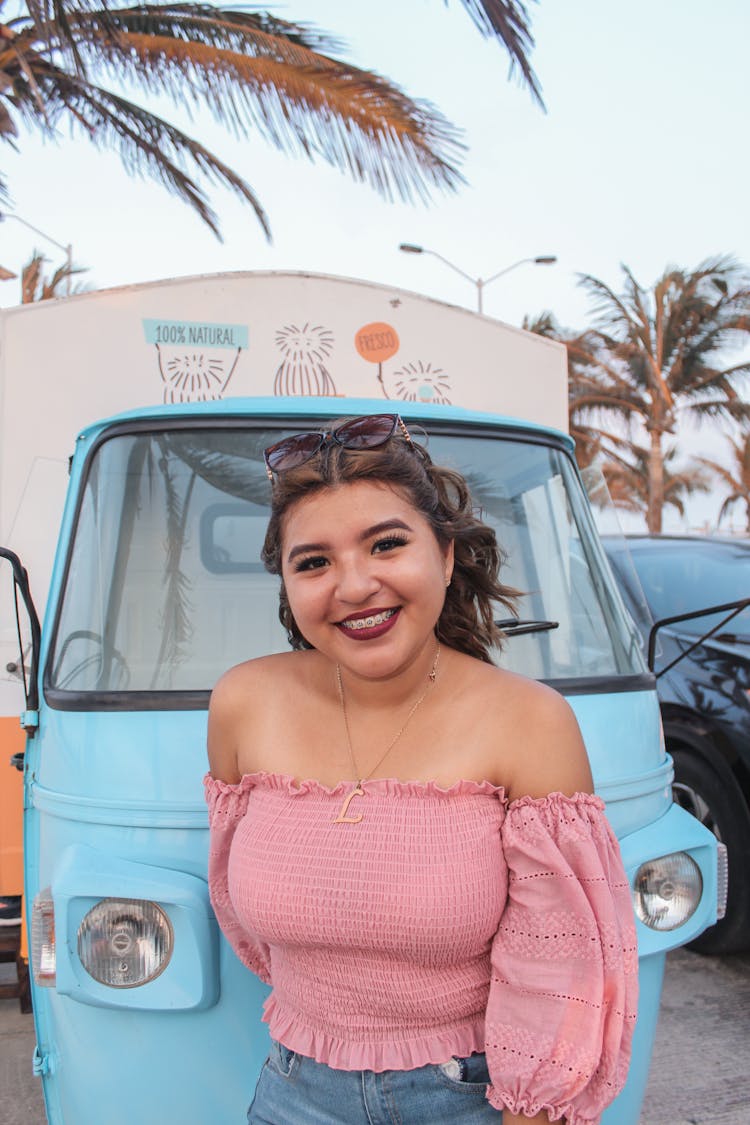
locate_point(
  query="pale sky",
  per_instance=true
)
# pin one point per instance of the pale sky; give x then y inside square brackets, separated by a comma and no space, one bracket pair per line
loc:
[642,157]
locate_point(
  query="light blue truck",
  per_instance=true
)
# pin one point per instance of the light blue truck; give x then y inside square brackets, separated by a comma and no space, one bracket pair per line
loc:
[142,1011]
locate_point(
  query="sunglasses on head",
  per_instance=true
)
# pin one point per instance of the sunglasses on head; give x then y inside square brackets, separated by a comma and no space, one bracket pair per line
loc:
[368,432]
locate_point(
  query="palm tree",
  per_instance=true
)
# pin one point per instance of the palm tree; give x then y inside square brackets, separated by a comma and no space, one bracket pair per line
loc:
[590,440]
[627,477]
[36,287]
[657,354]
[737,477]
[253,71]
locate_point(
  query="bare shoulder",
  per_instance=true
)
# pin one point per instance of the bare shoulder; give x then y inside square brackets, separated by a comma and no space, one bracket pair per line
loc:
[252,674]
[534,734]
[233,713]
[551,755]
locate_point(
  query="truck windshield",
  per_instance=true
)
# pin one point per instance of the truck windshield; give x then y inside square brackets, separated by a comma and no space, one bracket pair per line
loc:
[164,588]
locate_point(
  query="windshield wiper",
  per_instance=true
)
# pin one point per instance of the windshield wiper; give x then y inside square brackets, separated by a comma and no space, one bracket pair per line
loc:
[515,626]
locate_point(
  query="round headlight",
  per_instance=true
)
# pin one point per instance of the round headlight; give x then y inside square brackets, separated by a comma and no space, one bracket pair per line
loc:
[125,942]
[667,890]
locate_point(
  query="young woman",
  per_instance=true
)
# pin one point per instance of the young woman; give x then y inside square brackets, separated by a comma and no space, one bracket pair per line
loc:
[404,840]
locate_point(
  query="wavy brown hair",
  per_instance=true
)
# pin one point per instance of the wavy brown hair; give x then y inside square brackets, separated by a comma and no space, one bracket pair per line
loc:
[467,620]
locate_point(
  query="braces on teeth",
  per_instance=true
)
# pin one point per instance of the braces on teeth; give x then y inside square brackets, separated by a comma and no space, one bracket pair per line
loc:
[368,622]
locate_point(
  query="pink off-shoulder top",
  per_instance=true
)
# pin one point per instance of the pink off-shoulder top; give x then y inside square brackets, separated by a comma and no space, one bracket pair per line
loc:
[446,921]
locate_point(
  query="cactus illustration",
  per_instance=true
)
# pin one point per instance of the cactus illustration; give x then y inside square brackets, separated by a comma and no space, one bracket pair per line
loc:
[302,370]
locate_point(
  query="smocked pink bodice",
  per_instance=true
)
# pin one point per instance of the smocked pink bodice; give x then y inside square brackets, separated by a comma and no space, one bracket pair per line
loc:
[446,921]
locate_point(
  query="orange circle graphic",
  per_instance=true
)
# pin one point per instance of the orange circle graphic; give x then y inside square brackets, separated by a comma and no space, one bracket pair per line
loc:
[377,342]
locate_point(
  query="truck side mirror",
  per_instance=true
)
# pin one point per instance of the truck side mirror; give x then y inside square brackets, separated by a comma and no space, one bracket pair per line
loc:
[734,607]
[30,679]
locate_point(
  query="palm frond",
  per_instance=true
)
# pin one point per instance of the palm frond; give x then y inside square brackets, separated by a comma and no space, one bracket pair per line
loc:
[626,471]
[61,21]
[608,308]
[736,478]
[728,504]
[145,141]
[30,276]
[252,71]
[36,287]
[8,128]
[635,301]
[176,619]
[543,324]
[300,101]
[508,21]
[736,409]
[722,473]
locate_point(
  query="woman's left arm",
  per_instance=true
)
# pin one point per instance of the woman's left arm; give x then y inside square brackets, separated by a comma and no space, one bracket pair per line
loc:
[563,990]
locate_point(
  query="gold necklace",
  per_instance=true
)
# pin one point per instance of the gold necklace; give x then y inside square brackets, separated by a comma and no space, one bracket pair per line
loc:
[358,791]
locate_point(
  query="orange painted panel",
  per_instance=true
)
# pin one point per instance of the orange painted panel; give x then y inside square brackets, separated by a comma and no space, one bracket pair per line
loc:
[12,739]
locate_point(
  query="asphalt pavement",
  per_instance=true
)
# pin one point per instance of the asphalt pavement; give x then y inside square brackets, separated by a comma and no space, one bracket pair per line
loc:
[700,1072]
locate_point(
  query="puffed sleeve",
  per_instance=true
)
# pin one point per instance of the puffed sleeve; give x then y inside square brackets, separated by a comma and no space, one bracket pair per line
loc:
[227,805]
[564,983]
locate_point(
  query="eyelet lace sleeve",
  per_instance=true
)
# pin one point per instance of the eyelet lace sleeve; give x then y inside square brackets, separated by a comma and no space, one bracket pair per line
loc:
[563,990]
[227,805]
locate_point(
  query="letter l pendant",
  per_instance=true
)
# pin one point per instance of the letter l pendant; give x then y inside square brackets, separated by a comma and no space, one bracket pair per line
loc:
[342,818]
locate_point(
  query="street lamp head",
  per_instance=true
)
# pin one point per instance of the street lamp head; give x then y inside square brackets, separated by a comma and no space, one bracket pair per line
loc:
[478,282]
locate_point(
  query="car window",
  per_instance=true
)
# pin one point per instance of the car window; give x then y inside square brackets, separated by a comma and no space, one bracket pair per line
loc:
[682,575]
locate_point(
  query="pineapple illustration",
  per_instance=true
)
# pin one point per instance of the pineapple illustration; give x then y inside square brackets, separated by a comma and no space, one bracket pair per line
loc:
[419,382]
[192,375]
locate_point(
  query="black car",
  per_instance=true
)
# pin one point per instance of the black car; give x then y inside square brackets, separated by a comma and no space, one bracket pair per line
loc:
[705,698]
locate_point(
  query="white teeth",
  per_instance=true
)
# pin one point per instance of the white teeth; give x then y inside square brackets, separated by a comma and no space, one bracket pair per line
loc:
[368,622]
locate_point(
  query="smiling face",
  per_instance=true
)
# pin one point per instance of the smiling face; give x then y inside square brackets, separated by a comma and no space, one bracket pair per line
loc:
[365,576]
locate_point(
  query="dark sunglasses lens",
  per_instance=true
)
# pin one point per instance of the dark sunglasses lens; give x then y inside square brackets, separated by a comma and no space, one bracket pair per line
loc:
[367,433]
[292,451]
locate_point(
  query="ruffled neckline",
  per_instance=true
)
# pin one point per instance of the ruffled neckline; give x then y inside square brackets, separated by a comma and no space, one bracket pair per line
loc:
[394,787]
[389,786]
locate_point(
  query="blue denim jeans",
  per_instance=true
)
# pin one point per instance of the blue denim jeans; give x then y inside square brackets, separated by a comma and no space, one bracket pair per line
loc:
[295,1090]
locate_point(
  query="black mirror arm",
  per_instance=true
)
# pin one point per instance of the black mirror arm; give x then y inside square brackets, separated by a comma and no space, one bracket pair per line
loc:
[21,584]
[735,607]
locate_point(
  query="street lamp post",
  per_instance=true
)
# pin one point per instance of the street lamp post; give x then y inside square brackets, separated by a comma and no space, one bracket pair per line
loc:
[478,282]
[67,250]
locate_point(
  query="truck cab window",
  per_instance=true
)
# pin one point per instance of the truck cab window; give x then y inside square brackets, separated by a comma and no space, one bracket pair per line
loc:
[164,587]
